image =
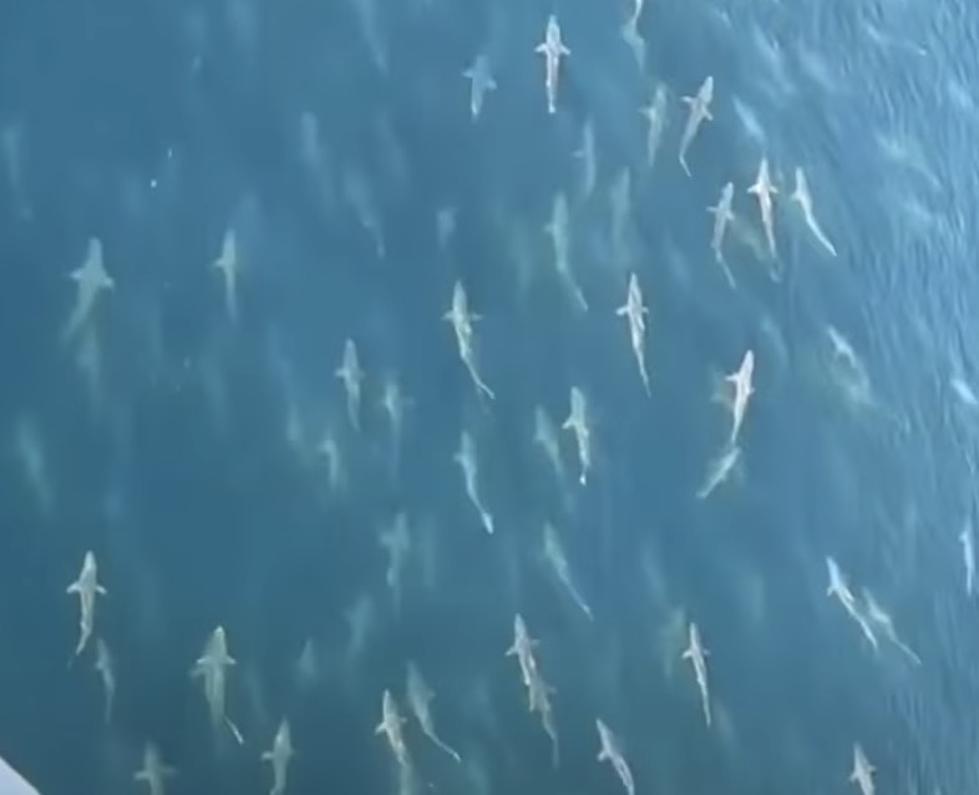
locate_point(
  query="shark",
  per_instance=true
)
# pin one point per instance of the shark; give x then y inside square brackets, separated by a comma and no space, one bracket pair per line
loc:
[523,649]
[699,113]
[968,541]
[462,319]
[154,772]
[228,266]
[839,588]
[558,230]
[91,280]
[394,404]
[719,470]
[546,437]
[87,587]
[764,190]
[723,215]
[105,667]
[279,756]
[538,691]
[803,198]
[655,115]
[553,49]
[391,726]
[577,422]
[742,389]
[396,542]
[586,153]
[697,655]
[863,771]
[212,667]
[635,312]
[420,697]
[558,561]
[352,377]
[611,752]
[880,617]
[481,80]
[465,457]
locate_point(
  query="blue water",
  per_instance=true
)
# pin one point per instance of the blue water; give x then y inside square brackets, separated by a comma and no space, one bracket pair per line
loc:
[329,137]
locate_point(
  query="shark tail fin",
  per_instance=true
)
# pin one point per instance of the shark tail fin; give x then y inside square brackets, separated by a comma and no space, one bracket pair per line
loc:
[235,731]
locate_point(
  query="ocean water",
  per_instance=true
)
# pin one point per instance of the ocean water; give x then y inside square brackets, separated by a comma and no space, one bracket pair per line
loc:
[199,442]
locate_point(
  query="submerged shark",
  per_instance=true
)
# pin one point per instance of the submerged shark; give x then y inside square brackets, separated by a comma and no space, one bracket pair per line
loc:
[635,312]
[577,422]
[863,771]
[91,280]
[697,655]
[699,113]
[87,587]
[465,457]
[552,48]
[352,377]
[723,215]
[154,772]
[612,753]
[764,190]
[212,667]
[391,726]
[420,697]
[481,80]
[279,756]
[462,319]
[803,198]
[227,265]
[740,383]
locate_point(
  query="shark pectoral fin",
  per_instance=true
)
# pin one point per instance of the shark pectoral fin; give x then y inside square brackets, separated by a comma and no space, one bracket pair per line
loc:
[141,775]
[708,115]
[101,591]
[380,728]
[541,48]
[687,100]
[602,755]
[73,588]
[622,310]
[687,655]
[565,50]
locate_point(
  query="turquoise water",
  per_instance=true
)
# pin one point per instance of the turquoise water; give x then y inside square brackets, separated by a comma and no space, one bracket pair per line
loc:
[202,446]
